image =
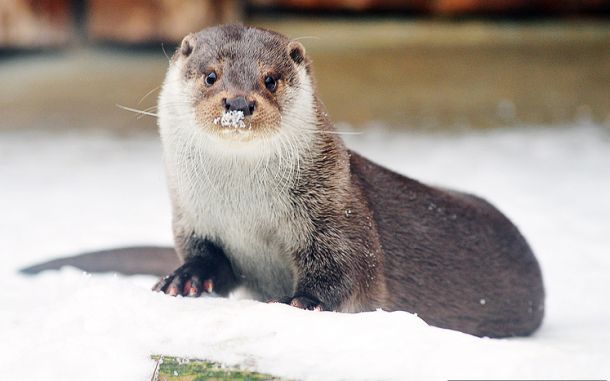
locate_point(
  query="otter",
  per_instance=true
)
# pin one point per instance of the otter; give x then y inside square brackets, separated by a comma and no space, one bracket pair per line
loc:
[266,196]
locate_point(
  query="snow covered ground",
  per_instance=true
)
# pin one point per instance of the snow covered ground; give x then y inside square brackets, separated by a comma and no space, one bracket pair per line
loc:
[66,193]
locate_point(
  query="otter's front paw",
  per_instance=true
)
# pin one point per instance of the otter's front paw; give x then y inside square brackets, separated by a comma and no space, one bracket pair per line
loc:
[190,279]
[302,302]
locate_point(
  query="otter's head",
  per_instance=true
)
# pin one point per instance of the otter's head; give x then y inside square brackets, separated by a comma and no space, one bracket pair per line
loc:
[237,83]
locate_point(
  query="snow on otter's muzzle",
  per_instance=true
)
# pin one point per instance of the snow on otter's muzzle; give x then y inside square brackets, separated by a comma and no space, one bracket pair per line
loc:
[232,118]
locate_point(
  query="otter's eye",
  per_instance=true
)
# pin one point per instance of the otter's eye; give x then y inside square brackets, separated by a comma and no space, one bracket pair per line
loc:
[270,83]
[210,79]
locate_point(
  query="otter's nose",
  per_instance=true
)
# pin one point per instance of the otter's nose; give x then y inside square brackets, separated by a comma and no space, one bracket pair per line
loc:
[239,104]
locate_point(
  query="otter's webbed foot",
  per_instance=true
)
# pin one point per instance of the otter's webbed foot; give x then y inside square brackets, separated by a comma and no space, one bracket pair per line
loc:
[191,279]
[303,302]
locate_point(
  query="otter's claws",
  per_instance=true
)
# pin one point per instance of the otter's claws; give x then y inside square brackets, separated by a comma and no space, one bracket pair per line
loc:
[188,280]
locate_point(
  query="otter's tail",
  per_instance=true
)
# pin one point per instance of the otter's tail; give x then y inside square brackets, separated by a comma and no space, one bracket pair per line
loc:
[149,260]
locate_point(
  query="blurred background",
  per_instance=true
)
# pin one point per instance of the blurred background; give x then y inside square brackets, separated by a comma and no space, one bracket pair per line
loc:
[507,99]
[406,64]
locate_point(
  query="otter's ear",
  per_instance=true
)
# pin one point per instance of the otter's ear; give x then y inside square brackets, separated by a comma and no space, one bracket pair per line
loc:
[187,45]
[296,50]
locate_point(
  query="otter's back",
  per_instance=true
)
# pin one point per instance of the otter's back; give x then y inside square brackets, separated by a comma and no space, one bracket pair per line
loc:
[450,257]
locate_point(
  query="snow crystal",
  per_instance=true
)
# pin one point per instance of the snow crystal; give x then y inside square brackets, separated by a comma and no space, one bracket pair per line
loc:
[232,118]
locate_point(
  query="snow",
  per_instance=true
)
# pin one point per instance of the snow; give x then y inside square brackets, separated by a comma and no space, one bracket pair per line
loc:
[70,192]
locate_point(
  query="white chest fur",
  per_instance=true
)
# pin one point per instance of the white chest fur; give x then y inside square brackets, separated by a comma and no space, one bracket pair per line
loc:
[243,205]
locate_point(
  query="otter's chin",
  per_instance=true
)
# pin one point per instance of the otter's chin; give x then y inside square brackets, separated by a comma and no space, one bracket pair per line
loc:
[251,132]
[235,134]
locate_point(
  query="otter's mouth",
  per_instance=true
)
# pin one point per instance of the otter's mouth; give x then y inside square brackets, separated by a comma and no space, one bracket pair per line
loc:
[236,122]
[234,125]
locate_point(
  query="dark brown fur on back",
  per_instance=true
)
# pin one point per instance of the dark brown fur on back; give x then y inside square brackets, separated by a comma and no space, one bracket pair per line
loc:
[451,257]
